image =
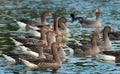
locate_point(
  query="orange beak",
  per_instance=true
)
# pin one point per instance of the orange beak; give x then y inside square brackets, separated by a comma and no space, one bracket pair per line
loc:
[111,28]
[49,14]
[51,28]
[100,37]
[97,10]
[54,34]
[66,23]
[60,44]
[44,42]
[65,37]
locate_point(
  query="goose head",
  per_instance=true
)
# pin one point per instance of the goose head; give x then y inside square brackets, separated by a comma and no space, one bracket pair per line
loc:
[97,11]
[43,17]
[105,32]
[43,43]
[62,20]
[46,13]
[61,38]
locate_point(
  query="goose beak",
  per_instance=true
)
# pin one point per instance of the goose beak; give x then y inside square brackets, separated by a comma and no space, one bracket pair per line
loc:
[60,44]
[54,34]
[100,37]
[51,28]
[66,23]
[44,42]
[49,14]
[97,11]
[65,38]
[111,28]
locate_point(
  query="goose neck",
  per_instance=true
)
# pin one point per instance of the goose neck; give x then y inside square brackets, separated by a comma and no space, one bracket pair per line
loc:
[105,35]
[93,42]
[55,55]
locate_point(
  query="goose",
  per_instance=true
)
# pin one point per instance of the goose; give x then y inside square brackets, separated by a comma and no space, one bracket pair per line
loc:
[113,55]
[43,19]
[28,55]
[62,26]
[9,59]
[103,45]
[30,24]
[63,20]
[86,50]
[90,23]
[60,51]
[56,26]
[106,44]
[114,35]
[50,37]
[20,41]
[56,63]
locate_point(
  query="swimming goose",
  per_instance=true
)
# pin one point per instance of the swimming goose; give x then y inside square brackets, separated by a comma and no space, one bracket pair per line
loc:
[28,55]
[86,50]
[60,51]
[90,23]
[106,44]
[63,20]
[9,59]
[62,26]
[50,37]
[56,63]
[20,41]
[27,24]
[43,19]
[115,55]
[114,35]
[56,26]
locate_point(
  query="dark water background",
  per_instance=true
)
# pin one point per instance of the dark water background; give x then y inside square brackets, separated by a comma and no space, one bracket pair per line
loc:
[32,9]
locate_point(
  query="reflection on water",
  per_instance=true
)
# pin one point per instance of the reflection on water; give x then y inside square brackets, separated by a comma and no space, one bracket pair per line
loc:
[33,8]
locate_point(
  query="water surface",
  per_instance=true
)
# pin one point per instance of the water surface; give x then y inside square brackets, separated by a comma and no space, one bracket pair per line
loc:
[32,9]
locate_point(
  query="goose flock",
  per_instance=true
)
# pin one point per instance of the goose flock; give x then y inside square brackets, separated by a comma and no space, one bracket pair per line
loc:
[42,45]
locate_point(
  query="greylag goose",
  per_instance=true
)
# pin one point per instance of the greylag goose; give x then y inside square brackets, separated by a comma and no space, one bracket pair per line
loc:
[56,63]
[90,23]
[13,57]
[113,55]
[106,44]
[63,20]
[43,19]
[26,23]
[114,35]
[86,50]
[62,26]
[50,37]
[60,51]
[20,41]
[56,26]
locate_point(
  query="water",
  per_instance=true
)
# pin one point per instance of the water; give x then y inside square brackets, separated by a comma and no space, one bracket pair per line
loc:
[33,8]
